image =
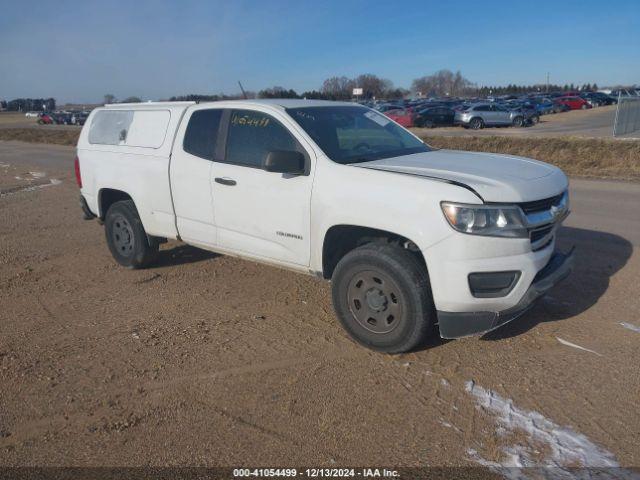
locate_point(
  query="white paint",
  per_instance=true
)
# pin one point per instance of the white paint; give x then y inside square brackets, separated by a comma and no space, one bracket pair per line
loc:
[630,326]
[569,344]
[565,447]
[283,220]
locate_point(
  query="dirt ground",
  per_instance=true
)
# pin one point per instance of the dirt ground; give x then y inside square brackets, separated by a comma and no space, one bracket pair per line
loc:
[210,360]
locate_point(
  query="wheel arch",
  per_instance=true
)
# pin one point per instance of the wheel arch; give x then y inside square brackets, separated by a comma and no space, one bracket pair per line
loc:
[342,238]
[109,196]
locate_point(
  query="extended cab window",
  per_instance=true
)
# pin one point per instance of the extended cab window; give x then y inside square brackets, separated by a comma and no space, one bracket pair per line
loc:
[202,132]
[252,135]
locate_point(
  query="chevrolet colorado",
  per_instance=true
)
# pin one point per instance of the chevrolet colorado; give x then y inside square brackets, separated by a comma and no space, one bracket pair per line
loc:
[414,240]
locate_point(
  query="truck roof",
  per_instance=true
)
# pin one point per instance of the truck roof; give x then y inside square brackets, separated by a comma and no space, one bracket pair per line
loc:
[274,102]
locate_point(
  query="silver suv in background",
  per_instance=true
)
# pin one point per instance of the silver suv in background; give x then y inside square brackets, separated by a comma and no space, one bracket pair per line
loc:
[480,115]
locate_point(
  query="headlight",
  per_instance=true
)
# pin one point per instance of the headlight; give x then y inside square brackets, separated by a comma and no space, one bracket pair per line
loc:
[495,221]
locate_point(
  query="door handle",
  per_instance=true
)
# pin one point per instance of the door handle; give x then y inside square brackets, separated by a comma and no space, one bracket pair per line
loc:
[225,181]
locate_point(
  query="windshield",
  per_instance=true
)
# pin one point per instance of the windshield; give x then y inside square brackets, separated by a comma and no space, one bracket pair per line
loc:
[355,134]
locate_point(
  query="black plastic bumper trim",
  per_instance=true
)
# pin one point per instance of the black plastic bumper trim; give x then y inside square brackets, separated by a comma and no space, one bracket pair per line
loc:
[87,213]
[463,324]
[492,284]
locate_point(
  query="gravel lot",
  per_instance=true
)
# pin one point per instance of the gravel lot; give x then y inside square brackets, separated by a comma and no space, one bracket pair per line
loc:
[210,360]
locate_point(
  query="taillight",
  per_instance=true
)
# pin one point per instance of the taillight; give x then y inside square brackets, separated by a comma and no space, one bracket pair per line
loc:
[77,169]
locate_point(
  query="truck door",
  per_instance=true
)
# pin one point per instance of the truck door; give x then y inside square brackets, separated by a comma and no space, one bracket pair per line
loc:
[190,174]
[258,213]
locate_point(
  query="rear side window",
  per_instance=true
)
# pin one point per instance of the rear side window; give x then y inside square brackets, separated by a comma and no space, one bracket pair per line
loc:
[481,108]
[252,135]
[132,128]
[202,133]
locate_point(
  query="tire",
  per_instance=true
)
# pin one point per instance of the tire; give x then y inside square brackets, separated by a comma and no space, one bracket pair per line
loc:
[382,297]
[126,238]
[535,119]
[584,106]
[476,123]
[428,124]
[518,121]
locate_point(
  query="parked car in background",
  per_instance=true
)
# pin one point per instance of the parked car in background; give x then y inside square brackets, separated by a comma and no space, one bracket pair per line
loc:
[438,116]
[559,107]
[597,99]
[528,114]
[574,103]
[483,115]
[387,106]
[80,118]
[543,106]
[45,119]
[31,114]
[402,116]
[62,118]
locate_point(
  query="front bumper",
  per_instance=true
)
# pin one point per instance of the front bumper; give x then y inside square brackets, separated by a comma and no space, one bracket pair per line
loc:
[462,324]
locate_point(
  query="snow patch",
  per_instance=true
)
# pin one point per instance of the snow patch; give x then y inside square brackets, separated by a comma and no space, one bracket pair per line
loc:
[630,326]
[52,181]
[567,449]
[569,344]
[38,174]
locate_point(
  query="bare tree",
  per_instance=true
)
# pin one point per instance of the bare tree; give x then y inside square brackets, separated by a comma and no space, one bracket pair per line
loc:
[338,88]
[441,83]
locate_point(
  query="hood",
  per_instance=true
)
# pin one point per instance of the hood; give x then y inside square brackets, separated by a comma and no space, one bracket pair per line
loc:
[494,177]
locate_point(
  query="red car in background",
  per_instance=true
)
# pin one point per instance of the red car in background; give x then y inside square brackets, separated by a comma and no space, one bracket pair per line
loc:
[45,119]
[404,117]
[574,103]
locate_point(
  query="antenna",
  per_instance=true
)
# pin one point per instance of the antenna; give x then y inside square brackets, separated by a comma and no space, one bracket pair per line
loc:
[244,94]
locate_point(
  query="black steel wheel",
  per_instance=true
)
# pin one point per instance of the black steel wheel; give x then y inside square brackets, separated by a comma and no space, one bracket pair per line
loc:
[122,235]
[382,297]
[375,300]
[126,238]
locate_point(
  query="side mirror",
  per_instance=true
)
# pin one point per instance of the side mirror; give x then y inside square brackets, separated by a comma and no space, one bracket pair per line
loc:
[284,161]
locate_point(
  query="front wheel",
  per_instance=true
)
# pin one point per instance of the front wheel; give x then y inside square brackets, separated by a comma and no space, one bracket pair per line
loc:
[584,106]
[126,238]
[382,297]
[476,123]
[518,121]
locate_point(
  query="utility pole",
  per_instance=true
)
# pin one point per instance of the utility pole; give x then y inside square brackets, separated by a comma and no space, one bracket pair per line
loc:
[244,94]
[547,82]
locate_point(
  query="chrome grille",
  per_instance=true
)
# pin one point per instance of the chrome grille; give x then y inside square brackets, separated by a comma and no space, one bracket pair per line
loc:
[540,205]
[543,217]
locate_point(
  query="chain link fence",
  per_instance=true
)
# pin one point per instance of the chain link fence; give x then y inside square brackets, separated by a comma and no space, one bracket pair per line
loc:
[627,119]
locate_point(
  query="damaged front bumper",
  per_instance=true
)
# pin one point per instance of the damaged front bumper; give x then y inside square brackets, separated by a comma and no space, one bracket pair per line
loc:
[462,324]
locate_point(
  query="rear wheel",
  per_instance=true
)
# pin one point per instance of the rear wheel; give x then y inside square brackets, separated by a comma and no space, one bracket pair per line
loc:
[126,238]
[428,124]
[518,121]
[584,106]
[382,297]
[476,123]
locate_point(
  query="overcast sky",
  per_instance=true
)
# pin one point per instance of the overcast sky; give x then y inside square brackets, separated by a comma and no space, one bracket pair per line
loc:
[80,50]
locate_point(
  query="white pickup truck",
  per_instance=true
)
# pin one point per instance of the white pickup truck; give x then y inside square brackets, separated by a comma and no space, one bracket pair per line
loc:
[414,239]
